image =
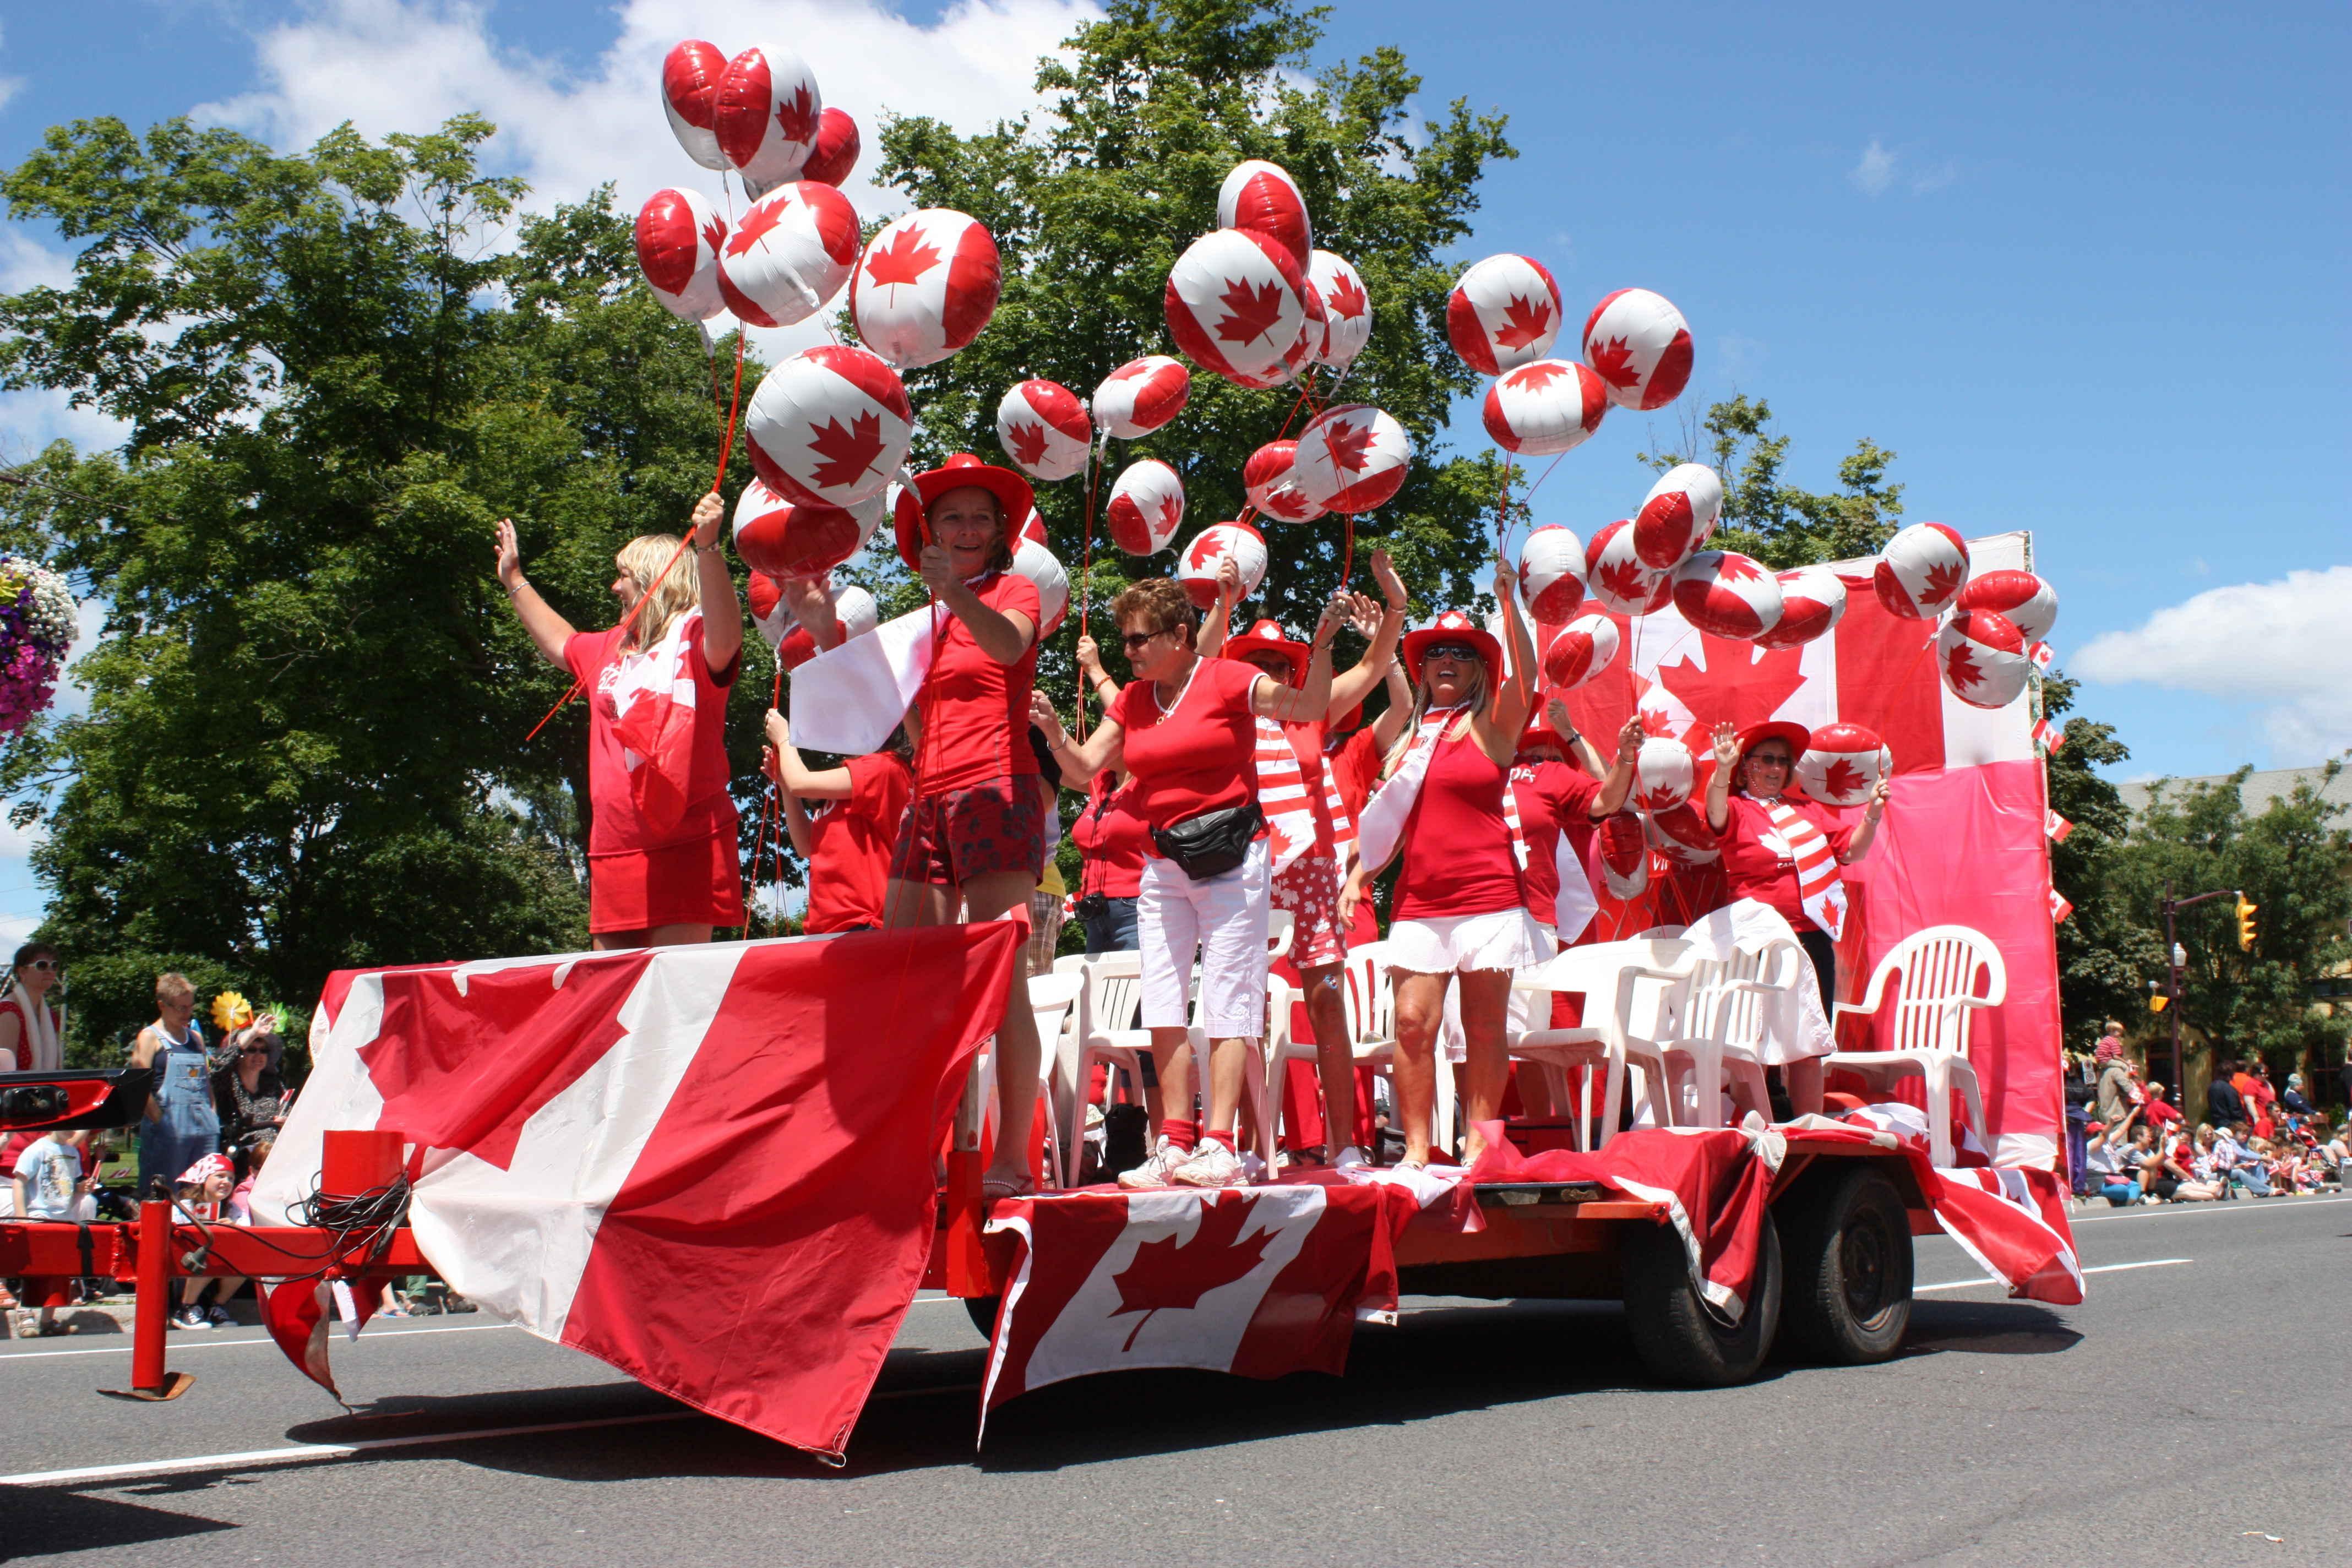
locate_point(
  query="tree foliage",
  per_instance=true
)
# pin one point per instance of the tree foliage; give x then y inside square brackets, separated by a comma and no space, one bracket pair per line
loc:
[2107,952]
[305,742]
[1765,516]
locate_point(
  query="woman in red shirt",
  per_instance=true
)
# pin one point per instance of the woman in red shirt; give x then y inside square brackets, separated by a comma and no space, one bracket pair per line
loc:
[847,839]
[1764,836]
[663,867]
[1185,728]
[973,845]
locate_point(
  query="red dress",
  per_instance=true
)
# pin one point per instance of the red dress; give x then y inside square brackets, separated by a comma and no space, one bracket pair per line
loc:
[850,842]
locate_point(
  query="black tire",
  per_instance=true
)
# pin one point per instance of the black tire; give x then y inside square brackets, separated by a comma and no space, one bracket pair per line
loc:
[1678,1338]
[982,1310]
[1849,1255]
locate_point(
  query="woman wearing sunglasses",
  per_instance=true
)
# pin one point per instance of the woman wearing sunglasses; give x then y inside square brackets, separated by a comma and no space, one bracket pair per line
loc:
[1185,731]
[29,1024]
[1764,834]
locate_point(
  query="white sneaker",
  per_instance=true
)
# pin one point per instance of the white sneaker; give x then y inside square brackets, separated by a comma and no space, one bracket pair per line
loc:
[1253,1169]
[1213,1165]
[1155,1171]
[191,1318]
[219,1317]
[1351,1159]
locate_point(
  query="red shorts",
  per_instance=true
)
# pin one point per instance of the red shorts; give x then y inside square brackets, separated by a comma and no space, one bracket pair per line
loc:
[694,883]
[947,839]
[1310,888]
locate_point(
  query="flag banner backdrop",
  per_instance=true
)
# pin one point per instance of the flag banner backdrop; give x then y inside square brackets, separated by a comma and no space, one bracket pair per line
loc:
[1964,840]
[710,1166]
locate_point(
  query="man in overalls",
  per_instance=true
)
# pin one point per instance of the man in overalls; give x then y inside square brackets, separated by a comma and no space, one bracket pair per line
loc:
[181,1125]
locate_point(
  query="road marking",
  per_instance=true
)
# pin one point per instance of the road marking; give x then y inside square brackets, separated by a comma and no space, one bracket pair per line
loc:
[2239,1206]
[2102,1268]
[184,1344]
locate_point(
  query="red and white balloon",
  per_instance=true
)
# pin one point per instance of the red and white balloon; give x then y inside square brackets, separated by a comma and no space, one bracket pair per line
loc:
[1263,197]
[790,255]
[1551,574]
[1146,507]
[1044,571]
[1727,595]
[1351,458]
[1585,648]
[679,236]
[791,539]
[1503,314]
[1233,306]
[1043,427]
[1813,602]
[692,73]
[1663,774]
[1921,570]
[1141,396]
[834,157]
[926,286]
[1843,764]
[1197,568]
[1681,834]
[1616,577]
[2028,600]
[1982,656]
[853,611]
[1639,343]
[1346,309]
[768,116]
[1678,515]
[1273,486]
[1546,407]
[830,427]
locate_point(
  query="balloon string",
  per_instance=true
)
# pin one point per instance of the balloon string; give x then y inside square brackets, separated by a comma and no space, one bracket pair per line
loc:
[734,404]
[627,622]
[1347,548]
[770,807]
[1086,565]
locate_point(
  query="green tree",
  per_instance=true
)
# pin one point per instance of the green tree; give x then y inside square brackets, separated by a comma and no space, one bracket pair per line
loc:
[1090,203]
[305,747]
[1765,516]
[2107,949]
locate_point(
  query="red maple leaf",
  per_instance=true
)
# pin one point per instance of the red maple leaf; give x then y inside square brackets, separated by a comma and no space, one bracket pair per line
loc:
[763,217]
[1251,314]
[1535,377]
[1943,581]
[1129,371]
[1734,685]
[1613,362]
[1736,569]
[1171,1274]
[1345,298]
[1205,550]
[1654,721]
[1841,780]
[1529,321]
[798,117]
[907,257]
[1349,445]
[1960,668]
[714,233]
[1171,512]
[1626,581]
[848,453]
[1028,444]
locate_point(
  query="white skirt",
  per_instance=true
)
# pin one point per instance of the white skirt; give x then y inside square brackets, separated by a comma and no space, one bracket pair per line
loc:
[1507,939]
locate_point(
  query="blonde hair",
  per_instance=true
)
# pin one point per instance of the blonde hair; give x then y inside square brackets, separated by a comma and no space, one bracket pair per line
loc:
[173,986]
[1475,701]
[669,594]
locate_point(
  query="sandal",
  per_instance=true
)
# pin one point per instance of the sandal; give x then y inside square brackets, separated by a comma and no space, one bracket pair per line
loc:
[994,1189]
[53,1328]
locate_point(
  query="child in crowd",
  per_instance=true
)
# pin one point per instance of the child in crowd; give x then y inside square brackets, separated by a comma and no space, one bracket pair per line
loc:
[203,1192]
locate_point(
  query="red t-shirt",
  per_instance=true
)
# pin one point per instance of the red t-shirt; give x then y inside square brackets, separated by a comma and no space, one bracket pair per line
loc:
[1457,849]
[1356,768]
[618,822]
[1202,756]
[1550,795]
[850,843]
[1755,862]
[1112,839]
[976,711]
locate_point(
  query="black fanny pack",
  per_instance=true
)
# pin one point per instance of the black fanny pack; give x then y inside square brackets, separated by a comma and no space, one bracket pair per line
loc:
[1212,842]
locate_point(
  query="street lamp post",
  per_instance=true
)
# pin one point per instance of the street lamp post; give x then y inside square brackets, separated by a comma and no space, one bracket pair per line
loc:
[2173,990]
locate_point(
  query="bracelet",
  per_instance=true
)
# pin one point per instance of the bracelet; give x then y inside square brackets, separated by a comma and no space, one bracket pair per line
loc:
[519,583]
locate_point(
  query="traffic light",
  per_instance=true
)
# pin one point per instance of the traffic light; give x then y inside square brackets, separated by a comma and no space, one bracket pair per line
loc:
[2246,933]
[2157,999]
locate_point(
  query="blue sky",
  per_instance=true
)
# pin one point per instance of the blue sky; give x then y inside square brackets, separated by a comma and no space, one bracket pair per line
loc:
[2083,267]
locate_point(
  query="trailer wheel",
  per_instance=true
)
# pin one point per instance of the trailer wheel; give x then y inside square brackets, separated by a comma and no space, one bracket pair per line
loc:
[1849,1249]
[1678,1337]
[982,1310]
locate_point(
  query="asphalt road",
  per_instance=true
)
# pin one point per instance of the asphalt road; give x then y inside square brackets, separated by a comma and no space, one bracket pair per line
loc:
[2192,1410]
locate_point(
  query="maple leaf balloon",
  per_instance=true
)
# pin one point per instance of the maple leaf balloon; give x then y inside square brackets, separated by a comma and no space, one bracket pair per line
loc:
[679,237]
[691,72]
[1146,506]
[1234,305]
[1619,579]
[766,115]
[904,258]
[2028,600]
[1043,426]
[1813,602]
[1272,484]
[1202,558]
[1545,407]
[1640,345]
[1141,396]
[1526,321]
[1263,197]
[828,427]
[790,255]
[1920,569]
[1347,309]
[1503,312]
[834,157]
[907,306]
[1351,458]
[1982,659]
[1841,763]
[1551,574]
[1678,515]
[1168,1275]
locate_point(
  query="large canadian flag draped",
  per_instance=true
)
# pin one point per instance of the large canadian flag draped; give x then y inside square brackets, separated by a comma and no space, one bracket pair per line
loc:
[708,1166]
[1963,841]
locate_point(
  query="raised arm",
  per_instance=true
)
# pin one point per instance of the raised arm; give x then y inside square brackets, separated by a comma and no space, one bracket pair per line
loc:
[1098,680]
[1618,782]
[1859,844]
[722,613]
[1387,627]
[1215,625]
[1718,787]
[1393,718]
[810,602]
[1498,729]
[796,776]
[549,631]
[1080,759]
[1311,699]
[1003,635]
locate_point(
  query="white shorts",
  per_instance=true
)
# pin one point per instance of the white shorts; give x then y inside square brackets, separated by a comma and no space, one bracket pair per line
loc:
[1224,919]
[1507,939]
[1518,1019]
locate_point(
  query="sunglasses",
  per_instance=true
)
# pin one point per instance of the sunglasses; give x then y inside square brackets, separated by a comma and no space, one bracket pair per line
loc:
[1134,640]
[1458,650]
[49,965]
[1763,762]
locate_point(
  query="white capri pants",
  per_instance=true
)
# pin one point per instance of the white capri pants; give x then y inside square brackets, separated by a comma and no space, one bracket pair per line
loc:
[1226,918]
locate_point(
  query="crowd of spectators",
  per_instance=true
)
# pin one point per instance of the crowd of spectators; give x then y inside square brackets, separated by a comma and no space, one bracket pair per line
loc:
[2129,1142]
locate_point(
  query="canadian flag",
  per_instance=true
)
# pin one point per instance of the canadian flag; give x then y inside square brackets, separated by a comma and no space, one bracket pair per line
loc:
[2048,736]
[653,703]
[2056,826]
[690,1163]
[2059,907]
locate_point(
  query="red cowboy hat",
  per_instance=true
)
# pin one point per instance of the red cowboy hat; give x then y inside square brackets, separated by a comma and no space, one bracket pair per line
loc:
[1541,736]
[1453,626]
[1013,499]
[1267,637]
[1798,737]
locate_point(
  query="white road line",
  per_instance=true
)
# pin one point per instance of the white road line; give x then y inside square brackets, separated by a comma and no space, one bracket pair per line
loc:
[2241,1205]
[182,1342]
[2102,1268]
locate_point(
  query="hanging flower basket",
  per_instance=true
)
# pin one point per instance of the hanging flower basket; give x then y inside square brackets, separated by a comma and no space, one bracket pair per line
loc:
[37,627]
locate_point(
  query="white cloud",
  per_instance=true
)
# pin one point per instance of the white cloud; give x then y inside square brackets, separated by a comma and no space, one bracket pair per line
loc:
[2283,649]
[1876,172]
[1937,178]
[31,420]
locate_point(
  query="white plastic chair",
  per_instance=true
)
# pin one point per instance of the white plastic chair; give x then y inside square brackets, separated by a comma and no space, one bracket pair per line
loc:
[1370,1004]
[1103,1028]
[1725,1022]
[1050,998]
[1938,969]
[1636,989]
